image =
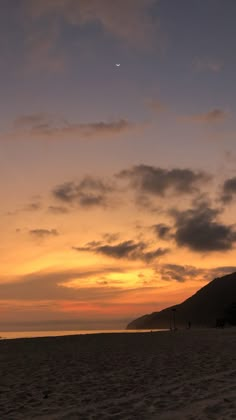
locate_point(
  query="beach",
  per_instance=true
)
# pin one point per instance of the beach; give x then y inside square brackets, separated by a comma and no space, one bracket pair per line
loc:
[169,375]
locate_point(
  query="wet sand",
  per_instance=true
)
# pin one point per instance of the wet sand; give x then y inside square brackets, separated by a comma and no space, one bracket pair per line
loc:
[179,375]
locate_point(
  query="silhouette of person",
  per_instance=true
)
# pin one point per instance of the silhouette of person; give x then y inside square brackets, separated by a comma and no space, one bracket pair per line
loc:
[189,324]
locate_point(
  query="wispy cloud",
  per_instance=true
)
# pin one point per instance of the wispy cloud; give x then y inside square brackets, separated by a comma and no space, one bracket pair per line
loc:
[207,64]
[58,210]
[130,21]
[32,120]
[111,237]
[43,233]
[42,53]
[68,285]
[216,115]
[48,126]
[34,206]
[156,105]
[45,287]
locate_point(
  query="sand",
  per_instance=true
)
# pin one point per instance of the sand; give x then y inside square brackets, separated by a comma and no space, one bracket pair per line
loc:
[164,376]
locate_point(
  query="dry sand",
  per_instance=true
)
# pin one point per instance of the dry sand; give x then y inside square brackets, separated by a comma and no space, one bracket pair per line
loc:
[164,376]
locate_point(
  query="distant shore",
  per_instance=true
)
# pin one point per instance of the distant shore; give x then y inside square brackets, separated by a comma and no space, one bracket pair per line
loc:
[163,376]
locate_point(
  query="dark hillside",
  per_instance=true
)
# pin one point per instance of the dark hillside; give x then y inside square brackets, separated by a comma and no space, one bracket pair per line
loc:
[202,309]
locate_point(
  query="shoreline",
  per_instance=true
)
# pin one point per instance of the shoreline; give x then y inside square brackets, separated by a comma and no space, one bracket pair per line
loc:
[55,334]
[41,334]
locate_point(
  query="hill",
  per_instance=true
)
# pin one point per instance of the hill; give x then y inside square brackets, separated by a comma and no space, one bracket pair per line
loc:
[215,300]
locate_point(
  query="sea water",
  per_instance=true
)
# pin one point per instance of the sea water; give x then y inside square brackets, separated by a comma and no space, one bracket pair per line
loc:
[31,334]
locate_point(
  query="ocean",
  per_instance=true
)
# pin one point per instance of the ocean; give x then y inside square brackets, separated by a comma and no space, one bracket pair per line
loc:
[33,334]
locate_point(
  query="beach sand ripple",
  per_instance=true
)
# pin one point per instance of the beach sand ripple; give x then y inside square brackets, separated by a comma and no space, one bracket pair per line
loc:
[181,375]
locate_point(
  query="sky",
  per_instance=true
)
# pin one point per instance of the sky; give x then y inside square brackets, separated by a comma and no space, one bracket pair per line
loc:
[118,183]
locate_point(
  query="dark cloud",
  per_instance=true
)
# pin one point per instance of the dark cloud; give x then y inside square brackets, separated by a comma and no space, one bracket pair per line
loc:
[229,190]
[163,231]
[44,233]
[149,256]
[147,181]
[124,250]
[91,200]
[67,192]
[179,273]
[158,181]
[89,192]
[199,230]
[184,273]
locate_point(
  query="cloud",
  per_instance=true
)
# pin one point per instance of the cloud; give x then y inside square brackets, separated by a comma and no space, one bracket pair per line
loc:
[124,250]
[147,182]
[207,64]
[42,52]
[44,286]
[163,231]
[199,230]
[58,209]
[34,206]
[43,233]
[46,125]
[89,192]
[158,181]
[156,105]
[146,203]
[229,190]
[111,237]
[211,117]
[31,120]
[59,285]
[185,273]
[130,21]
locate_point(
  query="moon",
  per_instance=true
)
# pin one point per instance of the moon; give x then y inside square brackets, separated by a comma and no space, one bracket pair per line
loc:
[117,65]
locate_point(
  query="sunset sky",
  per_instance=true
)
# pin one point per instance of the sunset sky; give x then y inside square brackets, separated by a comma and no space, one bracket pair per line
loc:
[118,184]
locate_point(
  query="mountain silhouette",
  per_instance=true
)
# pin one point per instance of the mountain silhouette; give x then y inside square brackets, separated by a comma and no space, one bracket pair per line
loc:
[214,301]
